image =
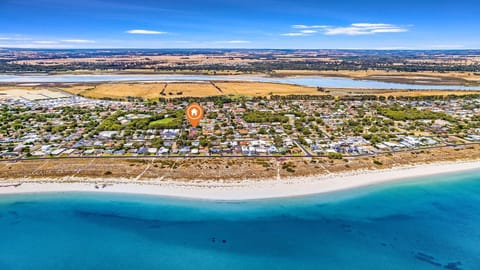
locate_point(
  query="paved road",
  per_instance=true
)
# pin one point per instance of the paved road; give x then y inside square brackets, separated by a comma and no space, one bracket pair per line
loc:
[297,142]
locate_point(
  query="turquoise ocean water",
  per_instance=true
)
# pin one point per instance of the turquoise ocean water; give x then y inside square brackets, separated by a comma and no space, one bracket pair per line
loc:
[429,224]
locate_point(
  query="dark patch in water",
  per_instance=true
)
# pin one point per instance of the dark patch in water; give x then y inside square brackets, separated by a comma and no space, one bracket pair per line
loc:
[346,227]
[150,223]
[431,260]
[440,207]
[453,266]
[281,217]
[214,240]
[155,226]
[231,202]
[396,217]
[427,258]
[111,215]
[20,203]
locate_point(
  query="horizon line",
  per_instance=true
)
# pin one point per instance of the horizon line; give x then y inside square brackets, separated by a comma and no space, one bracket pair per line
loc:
[225,48]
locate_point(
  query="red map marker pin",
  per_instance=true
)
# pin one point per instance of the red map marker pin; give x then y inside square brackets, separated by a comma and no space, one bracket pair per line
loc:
[194,114]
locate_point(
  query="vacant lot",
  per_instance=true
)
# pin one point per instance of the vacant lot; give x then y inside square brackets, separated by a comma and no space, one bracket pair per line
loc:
[121,90]
[197,89]
[256,89]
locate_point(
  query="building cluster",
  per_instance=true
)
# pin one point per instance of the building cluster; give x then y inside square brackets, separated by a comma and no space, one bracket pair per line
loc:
[76,126]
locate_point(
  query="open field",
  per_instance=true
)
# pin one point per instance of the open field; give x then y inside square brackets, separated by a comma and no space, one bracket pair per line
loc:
[190,89]
[420,77]
[225,169]
[119,90]
[256,89]
[250,89]
[186,89]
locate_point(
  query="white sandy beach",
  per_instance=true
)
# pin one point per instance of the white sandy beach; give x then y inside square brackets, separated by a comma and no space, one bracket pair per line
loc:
[239,190]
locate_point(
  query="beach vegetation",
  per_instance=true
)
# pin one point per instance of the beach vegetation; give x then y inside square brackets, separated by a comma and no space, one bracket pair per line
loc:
[335,155]
[377,162]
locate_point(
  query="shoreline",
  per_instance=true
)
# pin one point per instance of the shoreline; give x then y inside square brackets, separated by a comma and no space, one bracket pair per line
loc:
[241,189]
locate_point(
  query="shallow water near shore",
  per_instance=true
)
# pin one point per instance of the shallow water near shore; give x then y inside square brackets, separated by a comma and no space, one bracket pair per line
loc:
[432,223]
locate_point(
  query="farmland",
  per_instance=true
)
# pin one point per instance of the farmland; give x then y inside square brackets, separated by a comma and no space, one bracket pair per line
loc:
[235,88]
[186,89]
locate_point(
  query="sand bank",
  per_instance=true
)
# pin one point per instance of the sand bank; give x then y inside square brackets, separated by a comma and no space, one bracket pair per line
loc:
[236,190]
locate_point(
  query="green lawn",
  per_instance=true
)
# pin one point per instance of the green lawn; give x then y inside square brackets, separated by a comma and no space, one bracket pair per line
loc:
[165,123]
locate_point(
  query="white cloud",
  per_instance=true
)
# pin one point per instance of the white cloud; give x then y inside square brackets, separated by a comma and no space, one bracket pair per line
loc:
[27,42]
[350,31]
[299,34]
[145,32]
[237,41]
[354,29]
[390,30]
[15,38]
[35,45]
[308,31]
[302,26]
[233,42]
[374,25]
[79,41]
[45,42]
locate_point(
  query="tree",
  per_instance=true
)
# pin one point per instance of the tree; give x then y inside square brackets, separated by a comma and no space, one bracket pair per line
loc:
[157,142]
[335,155]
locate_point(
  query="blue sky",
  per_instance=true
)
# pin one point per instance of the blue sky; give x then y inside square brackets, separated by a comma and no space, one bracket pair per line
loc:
[307,24]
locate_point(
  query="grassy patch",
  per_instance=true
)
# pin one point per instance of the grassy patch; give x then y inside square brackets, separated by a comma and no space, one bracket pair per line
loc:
[165,122]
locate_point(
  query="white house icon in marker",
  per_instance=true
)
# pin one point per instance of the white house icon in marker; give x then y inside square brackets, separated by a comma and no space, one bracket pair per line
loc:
[194,112]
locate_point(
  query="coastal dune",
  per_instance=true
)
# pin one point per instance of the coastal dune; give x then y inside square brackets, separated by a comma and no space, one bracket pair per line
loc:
[240,190]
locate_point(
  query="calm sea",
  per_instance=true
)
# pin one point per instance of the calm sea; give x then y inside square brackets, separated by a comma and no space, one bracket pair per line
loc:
[429,224]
